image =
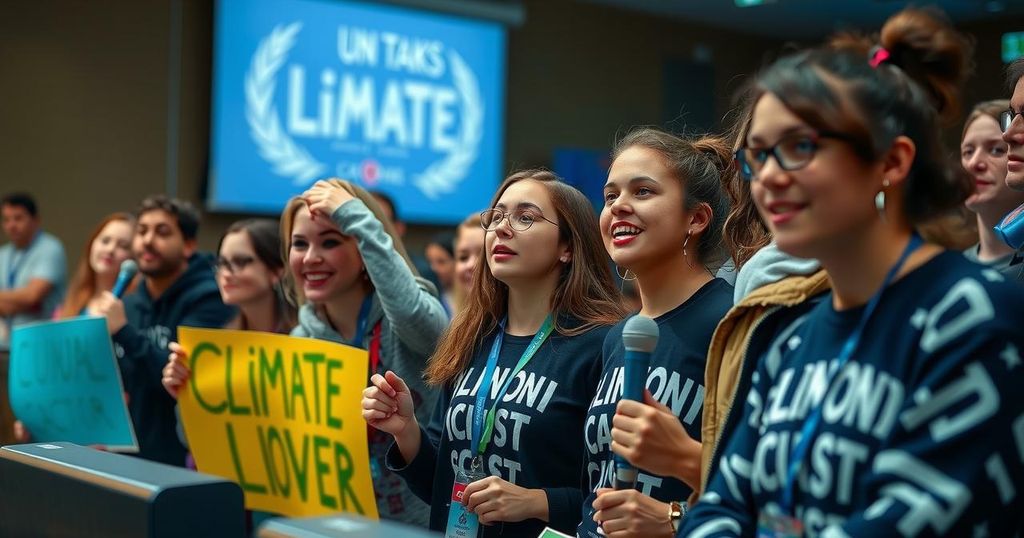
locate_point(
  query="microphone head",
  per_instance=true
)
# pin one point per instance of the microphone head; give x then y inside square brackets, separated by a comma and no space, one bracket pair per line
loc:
[128,269]
[640,334]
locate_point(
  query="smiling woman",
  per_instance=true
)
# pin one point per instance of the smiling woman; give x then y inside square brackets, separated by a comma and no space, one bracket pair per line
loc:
[109,244]
[350,274]
[844,161]
[662,221]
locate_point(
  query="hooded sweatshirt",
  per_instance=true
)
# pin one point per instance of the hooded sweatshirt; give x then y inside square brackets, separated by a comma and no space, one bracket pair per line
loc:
[411,321]
[141,346]
[769,265]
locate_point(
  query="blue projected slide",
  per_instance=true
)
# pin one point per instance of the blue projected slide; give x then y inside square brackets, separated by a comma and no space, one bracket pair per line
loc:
[407,102]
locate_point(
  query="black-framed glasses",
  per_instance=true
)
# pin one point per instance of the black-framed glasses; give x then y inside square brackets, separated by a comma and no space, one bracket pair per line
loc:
[234,264]
[792,152]
[1007,117]
[519,219]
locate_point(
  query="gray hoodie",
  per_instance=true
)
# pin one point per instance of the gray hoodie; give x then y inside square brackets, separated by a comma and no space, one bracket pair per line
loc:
[412,320]
[767,266]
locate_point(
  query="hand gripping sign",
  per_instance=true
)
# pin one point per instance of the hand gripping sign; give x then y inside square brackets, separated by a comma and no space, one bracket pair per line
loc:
[279,415]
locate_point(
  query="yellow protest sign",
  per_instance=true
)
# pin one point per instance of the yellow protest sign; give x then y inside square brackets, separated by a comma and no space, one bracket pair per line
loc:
[280,415]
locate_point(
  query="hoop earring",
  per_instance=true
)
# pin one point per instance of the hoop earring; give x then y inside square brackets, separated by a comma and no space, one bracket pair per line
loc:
[624,276]
[880,199]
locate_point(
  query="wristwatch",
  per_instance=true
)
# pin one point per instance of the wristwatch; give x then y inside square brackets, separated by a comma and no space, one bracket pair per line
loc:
[676,512]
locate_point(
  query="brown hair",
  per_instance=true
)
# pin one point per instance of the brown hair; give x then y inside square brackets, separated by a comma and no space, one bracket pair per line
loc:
[83,283]
[991,109]
[835,88]
[293,292]
[585,291]
[265,237]
[744,231]
[1014,72]
[186,215]
[700,166]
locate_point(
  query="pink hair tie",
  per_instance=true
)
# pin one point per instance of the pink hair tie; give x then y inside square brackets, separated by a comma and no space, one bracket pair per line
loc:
[878,56]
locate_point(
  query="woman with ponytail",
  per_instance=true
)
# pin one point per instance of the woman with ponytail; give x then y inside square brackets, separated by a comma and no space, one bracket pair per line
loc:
[888,405]
[662,226]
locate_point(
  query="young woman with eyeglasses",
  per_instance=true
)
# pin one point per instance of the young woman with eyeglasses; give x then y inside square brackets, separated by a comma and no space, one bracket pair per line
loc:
[249,270]
[518,367]
[890,405]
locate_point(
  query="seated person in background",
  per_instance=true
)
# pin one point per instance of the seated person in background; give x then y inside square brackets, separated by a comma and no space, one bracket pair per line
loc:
[178,288]
[32,266]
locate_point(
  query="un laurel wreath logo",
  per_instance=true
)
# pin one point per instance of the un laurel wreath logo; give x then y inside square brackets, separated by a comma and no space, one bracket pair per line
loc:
[291,160]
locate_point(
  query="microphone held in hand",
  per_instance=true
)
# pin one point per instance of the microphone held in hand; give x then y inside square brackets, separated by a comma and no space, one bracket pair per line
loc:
[639,337]
[1011,229]
[124,277]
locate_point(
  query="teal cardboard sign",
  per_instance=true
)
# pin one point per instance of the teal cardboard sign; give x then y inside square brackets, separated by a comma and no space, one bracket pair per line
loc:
[65,384]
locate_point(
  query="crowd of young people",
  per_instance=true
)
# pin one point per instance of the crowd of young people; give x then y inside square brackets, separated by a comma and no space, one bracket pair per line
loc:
[857,380]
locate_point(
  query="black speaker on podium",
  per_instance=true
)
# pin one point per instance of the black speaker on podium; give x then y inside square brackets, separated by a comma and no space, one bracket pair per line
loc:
[62,489]
[339,526]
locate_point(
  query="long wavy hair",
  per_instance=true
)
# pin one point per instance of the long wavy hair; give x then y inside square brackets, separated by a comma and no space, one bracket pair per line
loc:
[585,294]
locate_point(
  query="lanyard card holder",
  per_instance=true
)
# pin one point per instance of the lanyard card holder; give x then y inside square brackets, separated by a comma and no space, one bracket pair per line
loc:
[778,526]
[461,522]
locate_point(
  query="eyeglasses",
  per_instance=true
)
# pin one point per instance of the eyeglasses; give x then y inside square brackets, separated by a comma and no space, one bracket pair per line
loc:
[234,265]
[1007,117]
[791,152]
[520,219]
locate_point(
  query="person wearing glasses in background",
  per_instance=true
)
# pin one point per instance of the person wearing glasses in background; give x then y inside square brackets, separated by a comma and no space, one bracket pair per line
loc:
[518,367]
[249,272]
[890,405]
[1012,124]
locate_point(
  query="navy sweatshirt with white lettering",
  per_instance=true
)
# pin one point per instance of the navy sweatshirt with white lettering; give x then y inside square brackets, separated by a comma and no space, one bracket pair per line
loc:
[536,442]
[675,378]
[921,432]
[193,300]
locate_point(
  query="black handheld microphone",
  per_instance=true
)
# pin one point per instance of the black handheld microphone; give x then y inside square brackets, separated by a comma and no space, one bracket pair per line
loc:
[639,336]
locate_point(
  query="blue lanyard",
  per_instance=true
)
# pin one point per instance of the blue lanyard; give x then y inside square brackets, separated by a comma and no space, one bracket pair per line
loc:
[482,432]
[846,352]
[13,270]
[364,315]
